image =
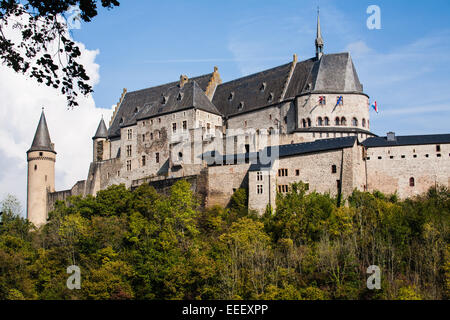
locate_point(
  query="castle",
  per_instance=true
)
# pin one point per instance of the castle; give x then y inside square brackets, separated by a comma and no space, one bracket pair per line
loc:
[302,121]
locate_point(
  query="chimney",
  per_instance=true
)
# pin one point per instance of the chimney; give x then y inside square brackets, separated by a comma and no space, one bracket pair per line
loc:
[391,136]
[183,80]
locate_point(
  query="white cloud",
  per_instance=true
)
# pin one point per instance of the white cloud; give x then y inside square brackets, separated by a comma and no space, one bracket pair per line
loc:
[21,100]
[358,49]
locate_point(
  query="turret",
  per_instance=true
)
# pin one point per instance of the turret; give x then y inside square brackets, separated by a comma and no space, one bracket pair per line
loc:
[100,143]
[41,159]
[319,40]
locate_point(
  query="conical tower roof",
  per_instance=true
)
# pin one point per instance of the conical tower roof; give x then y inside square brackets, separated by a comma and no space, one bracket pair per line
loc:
[42,141]
[101,132]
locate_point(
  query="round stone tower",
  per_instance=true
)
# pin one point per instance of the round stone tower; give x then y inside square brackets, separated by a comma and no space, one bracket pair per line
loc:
[41,173]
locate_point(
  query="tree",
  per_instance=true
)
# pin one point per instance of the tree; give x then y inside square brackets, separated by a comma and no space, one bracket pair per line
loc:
[35,41]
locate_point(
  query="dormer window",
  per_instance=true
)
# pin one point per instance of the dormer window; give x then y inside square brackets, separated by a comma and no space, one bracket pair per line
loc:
[164,100]
[136,110]
[263,87]
[241,105]
[180,96]
[270,99]
[231,96]
[121,121]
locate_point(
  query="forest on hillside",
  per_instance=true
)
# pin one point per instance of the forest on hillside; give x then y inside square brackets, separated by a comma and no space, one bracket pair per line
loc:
[144,245]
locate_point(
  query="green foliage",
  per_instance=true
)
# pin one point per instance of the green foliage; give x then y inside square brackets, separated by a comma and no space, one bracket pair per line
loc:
[144,245]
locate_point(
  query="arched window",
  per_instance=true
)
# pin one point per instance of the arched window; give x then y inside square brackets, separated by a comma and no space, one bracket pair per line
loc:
[412,182]
[354,122]
[309,122]
[327,121]
[319,121]
[343,121]
[304,123]
[364,123]
[271,131]
[337,122]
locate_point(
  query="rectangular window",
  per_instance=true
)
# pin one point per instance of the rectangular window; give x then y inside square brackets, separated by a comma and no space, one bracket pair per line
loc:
[208,127]
[322,100]
[157,157]
[151,136]
[128,151]
[340,101]
[438,148]
[128,165]
[143,161]
[174,127]
[143,138]
[297,172]
[184,125]
[260,189]
[283,188]
[282,172]
[130,134]
[259,176]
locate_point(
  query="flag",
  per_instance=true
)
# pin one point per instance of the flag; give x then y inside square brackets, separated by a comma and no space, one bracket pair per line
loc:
[375,106]
[339,100]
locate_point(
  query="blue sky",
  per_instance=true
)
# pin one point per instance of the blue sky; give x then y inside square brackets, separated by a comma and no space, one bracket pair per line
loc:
[404,66]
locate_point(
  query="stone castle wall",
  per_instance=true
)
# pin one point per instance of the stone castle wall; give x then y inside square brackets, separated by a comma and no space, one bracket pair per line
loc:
[389,169]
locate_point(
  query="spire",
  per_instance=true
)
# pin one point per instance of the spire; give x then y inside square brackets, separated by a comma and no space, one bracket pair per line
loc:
[319,40]
[41,141]
[101,132]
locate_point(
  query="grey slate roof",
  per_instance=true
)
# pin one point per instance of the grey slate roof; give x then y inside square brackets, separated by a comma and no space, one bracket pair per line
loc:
[138,100]
[333,73]
[248,90]
[41,141]
[316,146]
[376,142]
[177,99]
[290,150]
[101,132]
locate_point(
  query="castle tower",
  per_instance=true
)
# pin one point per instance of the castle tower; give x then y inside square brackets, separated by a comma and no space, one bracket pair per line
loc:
[100,143]
[319,40]
[41,173]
